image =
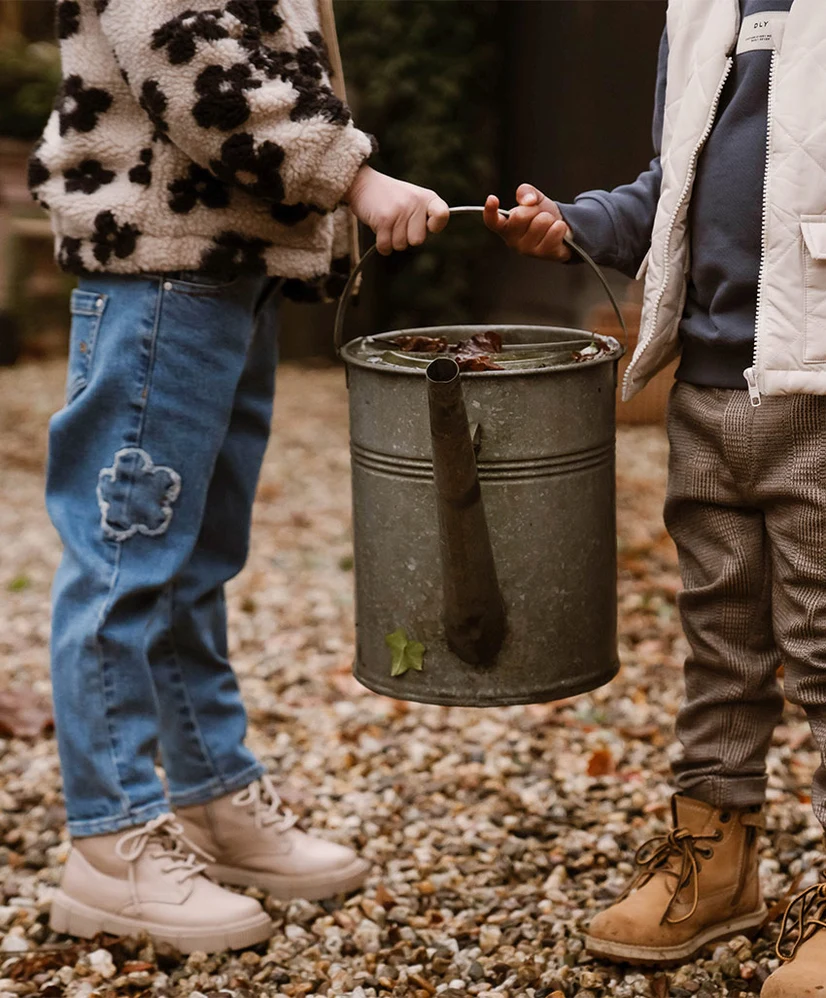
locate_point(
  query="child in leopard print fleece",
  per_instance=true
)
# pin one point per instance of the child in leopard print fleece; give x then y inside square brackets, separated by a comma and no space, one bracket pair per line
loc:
[201,158]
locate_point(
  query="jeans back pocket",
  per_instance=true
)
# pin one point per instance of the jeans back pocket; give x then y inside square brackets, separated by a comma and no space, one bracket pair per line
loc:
[813,228]
[87,308]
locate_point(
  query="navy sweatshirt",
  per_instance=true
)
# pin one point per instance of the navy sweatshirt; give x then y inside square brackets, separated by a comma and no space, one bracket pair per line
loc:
[725,219]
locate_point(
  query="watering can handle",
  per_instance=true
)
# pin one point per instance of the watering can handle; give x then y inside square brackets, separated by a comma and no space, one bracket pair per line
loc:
[344,300]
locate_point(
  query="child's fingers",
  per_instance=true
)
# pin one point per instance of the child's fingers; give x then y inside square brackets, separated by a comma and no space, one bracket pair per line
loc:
[539,228]
[528,195]
[552,245]
[384,239]
[438,215]
[517,225]
[399,237]
[491,217]
[417,227]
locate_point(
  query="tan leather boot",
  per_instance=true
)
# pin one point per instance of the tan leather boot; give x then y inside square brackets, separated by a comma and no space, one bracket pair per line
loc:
[149,880]
[802,948]
[696,885]
[255,844]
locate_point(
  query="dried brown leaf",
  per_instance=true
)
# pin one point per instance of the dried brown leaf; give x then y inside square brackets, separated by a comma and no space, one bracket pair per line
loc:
[596,348]
[601,763]
[419,344]
[42,960]
[477,362]
[479,345]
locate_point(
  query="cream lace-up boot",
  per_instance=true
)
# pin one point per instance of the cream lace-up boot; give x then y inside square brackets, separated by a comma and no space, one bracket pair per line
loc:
[150,880]
[256,844]
[695,885]
[802,948]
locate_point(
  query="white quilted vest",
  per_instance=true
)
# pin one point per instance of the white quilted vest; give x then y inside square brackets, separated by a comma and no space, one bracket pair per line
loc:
[790,334]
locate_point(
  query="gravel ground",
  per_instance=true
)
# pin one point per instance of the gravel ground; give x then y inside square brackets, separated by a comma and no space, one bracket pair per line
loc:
[495,834]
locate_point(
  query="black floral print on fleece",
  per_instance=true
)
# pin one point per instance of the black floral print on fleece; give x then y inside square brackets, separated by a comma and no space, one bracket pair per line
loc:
[200,133]
[200,68]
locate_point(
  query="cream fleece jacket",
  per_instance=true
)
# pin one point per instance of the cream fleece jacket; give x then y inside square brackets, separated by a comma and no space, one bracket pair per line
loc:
[198,135]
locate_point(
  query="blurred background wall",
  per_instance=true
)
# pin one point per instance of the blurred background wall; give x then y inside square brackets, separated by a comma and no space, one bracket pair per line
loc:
[466,96]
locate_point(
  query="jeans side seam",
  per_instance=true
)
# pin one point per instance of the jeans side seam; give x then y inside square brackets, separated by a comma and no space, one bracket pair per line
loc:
[205,753]
[113,740]
[150,366]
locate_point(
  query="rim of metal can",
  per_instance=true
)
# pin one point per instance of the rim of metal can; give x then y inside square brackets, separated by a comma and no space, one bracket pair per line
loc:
[528,350]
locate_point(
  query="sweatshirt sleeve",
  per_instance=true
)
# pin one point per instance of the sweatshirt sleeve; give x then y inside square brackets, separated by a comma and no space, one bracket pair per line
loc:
[615,227]
[243,91]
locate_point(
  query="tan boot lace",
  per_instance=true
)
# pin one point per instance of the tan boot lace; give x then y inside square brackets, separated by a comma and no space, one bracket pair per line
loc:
[656,855]
[268,810]
[804,917]
[164,838]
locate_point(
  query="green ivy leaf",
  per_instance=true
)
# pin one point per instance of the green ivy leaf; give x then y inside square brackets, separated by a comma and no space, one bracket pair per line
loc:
[407,654]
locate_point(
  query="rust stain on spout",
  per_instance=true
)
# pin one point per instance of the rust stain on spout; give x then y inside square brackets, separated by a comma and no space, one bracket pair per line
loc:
[474,611]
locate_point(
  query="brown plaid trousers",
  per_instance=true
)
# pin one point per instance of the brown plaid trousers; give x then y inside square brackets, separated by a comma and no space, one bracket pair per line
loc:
[746,507]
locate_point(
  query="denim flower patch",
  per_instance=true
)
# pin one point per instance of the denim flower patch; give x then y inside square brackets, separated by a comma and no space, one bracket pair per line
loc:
[136,496]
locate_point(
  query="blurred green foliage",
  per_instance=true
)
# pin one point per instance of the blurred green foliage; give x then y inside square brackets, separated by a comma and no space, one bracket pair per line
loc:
[29,78]
[423,76]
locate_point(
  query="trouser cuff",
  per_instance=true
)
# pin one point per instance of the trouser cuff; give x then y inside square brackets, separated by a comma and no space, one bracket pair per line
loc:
[724,792]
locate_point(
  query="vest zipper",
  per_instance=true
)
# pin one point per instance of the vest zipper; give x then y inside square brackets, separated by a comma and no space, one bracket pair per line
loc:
[692,168]
[750,374]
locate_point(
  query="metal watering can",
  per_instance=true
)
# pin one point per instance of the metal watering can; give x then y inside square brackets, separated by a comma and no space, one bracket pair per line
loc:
[484,513]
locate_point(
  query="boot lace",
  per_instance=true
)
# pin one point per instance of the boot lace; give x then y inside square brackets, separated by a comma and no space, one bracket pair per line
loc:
[657,856]
[804,917]
[268,810]
[164,838]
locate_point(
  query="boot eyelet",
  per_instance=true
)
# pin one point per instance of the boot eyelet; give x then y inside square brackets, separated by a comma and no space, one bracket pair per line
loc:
[718,835]
[725,817]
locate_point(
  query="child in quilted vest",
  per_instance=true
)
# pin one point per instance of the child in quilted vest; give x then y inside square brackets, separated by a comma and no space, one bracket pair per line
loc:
[746,500]
[200,160]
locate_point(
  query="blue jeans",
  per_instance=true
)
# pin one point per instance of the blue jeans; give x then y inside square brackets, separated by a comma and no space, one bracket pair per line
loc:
[153,466]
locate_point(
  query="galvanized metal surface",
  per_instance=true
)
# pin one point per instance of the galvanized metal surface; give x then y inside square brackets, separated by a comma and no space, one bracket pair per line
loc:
[546,469]
[473,610]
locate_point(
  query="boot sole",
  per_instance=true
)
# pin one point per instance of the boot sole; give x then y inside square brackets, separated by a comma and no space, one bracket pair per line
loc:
[643,955]
[77,919]
[287,888]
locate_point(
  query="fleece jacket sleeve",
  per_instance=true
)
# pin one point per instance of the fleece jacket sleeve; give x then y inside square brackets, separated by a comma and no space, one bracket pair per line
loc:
[615,227]
[243,91]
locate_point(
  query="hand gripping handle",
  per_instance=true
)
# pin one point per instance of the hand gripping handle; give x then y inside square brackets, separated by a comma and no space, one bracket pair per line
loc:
[346,295]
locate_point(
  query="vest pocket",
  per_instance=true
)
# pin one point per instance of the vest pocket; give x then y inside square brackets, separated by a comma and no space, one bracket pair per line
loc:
[813,228]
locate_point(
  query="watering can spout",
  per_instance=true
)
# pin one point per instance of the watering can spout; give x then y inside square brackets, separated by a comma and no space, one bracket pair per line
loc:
[474,611]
